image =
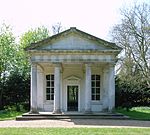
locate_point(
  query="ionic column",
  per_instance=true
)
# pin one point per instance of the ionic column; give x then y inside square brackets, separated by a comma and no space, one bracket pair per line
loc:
[57,83]
[87,88]
[111,87]
[33,92]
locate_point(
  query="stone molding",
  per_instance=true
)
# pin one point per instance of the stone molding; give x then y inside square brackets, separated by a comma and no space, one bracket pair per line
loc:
[73,58]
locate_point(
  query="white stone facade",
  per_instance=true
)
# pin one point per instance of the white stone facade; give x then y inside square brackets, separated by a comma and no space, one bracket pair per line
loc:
[73,57]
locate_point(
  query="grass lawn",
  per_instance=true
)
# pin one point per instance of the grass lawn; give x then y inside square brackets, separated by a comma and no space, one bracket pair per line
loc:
[141,113]
[6,115]
[74,131]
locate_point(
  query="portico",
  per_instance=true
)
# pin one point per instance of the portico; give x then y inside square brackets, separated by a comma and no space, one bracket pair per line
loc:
[72,71]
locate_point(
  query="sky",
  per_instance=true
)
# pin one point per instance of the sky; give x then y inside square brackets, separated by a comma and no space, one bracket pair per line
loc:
[96,17]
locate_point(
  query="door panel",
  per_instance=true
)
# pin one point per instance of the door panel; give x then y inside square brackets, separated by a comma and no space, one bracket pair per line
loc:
[72,96]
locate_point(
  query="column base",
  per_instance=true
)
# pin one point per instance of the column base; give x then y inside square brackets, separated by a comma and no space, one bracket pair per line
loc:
[58,111]
[33,112]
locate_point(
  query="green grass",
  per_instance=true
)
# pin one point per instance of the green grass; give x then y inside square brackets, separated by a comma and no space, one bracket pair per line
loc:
[9,115]
[141,113]
[74,131]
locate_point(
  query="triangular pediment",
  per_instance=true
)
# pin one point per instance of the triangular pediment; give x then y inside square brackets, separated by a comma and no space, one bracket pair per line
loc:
[73,78]
[73,39]
[72,42]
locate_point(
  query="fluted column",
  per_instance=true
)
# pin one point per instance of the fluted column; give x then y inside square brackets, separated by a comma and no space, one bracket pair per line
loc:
[111,87]
[87,88]
[33,92]
[57,83]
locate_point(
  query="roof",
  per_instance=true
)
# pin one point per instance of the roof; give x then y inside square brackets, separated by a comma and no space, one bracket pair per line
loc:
[73,30]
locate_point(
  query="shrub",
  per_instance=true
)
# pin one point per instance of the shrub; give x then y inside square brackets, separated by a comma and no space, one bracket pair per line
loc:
[130,94]
[16,91]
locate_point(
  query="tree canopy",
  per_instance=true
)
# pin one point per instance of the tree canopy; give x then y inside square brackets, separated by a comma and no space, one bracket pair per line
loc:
[14,63]
[133,35]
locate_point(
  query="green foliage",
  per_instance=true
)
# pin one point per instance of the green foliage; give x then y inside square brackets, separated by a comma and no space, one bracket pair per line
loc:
[33,36]
[9,115]
[7,56]
[17,89]
[12,108]
[9,108]
[131,92]
[75,131]
[11,111]
[15,67]
[7,50]
[133,35]
[141,113]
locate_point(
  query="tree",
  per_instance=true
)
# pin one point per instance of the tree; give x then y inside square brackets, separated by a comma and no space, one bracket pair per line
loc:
[31,36]
[57,28]
[133,35]
[7,56]
[17,90]
[14,65]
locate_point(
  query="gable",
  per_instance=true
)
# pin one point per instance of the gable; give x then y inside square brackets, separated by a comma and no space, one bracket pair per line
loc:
[73,39]
[73,42]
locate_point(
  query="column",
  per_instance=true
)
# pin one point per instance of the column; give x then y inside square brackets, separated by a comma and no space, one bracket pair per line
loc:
[105,89]
[87,88]
[33,99]
[57,83]
[111,87]
[40,88]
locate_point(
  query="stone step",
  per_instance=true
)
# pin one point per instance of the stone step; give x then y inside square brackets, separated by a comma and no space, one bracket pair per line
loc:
[103,114]
[69,116]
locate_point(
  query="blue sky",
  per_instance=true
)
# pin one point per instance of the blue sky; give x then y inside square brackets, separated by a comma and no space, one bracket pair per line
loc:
[93,16]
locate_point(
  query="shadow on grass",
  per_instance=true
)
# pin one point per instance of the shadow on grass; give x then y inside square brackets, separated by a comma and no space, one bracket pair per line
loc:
[136,114]
[111,122]
[139,118]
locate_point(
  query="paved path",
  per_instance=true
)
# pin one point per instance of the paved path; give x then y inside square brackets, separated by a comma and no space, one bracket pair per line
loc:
[68,123]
